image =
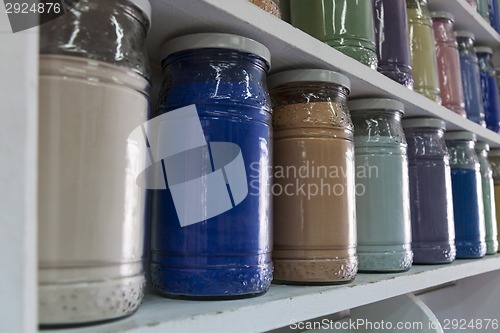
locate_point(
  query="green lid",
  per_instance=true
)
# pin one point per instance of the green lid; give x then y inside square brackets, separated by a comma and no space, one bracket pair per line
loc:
[375,104]
[424,123]
[460,135]
[482,146]
[217,41]
[308,75]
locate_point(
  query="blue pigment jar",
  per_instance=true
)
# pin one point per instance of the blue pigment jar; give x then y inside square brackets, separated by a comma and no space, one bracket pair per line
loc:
[490,88]
[471,78]
[211,225]
[468,208]
[494,15]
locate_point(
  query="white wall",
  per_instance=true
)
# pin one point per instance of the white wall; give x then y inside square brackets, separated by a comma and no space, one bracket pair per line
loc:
[18,165]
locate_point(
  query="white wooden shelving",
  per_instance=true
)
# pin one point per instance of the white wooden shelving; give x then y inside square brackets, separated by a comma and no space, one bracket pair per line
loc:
[291,48]
[285,305]
[18,135]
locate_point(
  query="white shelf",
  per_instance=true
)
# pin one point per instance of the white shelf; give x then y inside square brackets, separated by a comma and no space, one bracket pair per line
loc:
[466,18]
[284,305]
[292,48]
[18,156]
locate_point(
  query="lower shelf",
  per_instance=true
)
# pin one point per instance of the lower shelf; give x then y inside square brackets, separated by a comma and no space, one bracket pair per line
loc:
[285,305]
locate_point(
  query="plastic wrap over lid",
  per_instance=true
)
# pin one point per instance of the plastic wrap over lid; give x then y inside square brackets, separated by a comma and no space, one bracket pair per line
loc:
[483,49]
[482,146]
[495,152]
[424,123]
[217,41]
[465,34]
[442,14]
[308,75]
[375,104]
[460,135]
[144,6]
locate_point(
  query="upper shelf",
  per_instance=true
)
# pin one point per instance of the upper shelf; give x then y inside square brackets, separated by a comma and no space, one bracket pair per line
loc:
[285,305]
[466,18]
[292,48]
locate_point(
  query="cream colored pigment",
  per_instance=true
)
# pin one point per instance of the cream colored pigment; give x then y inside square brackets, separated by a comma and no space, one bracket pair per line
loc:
[270,6]
[91,212]
[314,210]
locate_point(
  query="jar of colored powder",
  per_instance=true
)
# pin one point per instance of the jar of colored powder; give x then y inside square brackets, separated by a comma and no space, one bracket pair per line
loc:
[211,221]
[94,96]
[346,26]
[270,6]
[489,88]
[423,50]
[468,206]
[494,159]
[313,191]
[448,60]
[471,77]
[433,231]
[490,219]
[382,186]
[391,35]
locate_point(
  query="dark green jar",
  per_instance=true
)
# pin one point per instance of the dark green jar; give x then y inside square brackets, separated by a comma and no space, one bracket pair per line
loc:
[344,25]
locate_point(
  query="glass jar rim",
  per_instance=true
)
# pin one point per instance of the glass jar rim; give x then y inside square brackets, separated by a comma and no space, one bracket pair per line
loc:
[495,152]
[424,123]
[215,41]
[144,6]
[482,146]
[483,49]
[460,136]
[308,75]
[465,34]
[375,104]
[443,15]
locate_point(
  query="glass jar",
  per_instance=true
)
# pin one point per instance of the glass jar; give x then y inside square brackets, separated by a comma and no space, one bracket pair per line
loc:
[382,186]
[487,183]
[270,6]
[423,50]
[93,93]
[472,3]
[448,60]
[314,212]
[494,15]
[489,87]
[494,159]
[468,208]
[346,26]
[433,232]
[483,8]
[391,35]
[211,223]
[497,71]
[471,77]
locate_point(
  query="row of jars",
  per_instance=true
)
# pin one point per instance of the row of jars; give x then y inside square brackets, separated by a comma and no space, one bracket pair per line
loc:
[406,42]
[194,182]
[489,10]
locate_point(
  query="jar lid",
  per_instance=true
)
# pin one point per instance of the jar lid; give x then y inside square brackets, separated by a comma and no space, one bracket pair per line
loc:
[308,75]
[144,6]
[424,122]
[442,14]
[375,104]
[216,41]
[483,49]
[465,34]
[460,135]
[495,152]
[482,146]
